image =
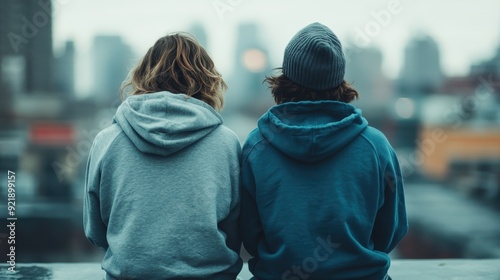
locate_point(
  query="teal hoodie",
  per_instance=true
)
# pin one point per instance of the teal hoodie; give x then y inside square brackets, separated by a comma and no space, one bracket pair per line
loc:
[162,191]
[322,194]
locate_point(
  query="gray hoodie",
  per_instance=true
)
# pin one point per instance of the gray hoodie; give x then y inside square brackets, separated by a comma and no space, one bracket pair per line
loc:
[162,191]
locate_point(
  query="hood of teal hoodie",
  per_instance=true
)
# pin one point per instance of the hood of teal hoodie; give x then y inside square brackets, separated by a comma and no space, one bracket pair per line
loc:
[311,131]
[163,123]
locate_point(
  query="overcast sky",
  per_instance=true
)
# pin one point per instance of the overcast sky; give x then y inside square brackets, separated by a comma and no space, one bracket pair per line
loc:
[467,31]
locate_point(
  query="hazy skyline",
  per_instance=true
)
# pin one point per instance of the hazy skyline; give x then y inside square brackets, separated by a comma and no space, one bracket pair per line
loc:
[466,31]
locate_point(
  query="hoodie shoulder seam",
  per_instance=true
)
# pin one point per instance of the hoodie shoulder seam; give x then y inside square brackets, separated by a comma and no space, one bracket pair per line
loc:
[373,147]
[110,145]
[251,149]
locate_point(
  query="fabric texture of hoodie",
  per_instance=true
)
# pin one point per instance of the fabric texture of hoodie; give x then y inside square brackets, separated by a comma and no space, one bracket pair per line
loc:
[162,191]
[322,194]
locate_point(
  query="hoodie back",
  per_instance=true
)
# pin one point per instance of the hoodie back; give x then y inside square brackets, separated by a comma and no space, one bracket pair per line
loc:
[162,191]
[322,194]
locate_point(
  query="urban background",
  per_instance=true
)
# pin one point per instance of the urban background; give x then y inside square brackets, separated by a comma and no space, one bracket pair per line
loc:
[428,75]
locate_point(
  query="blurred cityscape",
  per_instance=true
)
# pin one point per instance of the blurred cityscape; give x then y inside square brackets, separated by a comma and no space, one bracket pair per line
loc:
[446,131]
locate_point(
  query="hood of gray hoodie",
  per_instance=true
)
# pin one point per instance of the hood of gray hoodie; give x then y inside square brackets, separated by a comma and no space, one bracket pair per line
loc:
[163,123]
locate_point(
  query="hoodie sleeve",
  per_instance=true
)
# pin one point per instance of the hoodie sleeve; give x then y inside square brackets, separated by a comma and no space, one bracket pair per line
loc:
[230,224]
[94,227]
[250,225]
[391,223]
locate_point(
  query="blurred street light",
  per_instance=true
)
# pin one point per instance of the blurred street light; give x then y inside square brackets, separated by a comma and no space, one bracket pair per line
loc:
[405,107]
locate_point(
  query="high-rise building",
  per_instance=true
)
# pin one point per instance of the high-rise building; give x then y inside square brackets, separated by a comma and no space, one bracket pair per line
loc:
[65,70]
[248,39]
[26,45]
[112,60]
[251,65]
[420,75]
[497,62]
[199,32]
[364,71]
[421,72]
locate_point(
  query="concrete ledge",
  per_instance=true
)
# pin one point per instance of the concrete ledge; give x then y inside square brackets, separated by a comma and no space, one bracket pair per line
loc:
[460,269]
[488,269]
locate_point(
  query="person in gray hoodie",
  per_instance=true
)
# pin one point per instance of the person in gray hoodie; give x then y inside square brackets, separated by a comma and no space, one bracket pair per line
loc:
[162,182]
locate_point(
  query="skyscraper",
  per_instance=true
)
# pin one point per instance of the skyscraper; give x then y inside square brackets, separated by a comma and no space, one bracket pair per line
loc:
[364,70]
[112,61]
[421,75]
[249,40]
[421,72]
[26,43]
[251,66]
[199,32]
[65,70]
[497,62]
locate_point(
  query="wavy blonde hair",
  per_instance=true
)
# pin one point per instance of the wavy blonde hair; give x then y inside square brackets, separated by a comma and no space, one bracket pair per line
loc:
[179,64]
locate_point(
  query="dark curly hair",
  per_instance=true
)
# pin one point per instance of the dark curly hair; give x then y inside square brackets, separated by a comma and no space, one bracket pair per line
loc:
[285,90]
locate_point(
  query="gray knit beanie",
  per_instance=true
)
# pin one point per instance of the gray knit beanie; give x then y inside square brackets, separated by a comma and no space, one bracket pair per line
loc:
[314,58]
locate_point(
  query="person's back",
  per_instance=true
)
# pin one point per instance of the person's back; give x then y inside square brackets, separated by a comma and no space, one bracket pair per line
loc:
[162,190]
[322,193]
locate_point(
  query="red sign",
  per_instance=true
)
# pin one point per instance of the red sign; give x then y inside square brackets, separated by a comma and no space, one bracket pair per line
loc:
[52,134]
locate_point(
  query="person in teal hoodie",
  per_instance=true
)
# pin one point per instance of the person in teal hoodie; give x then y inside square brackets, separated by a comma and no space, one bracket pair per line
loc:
[322,192]
[162,182]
